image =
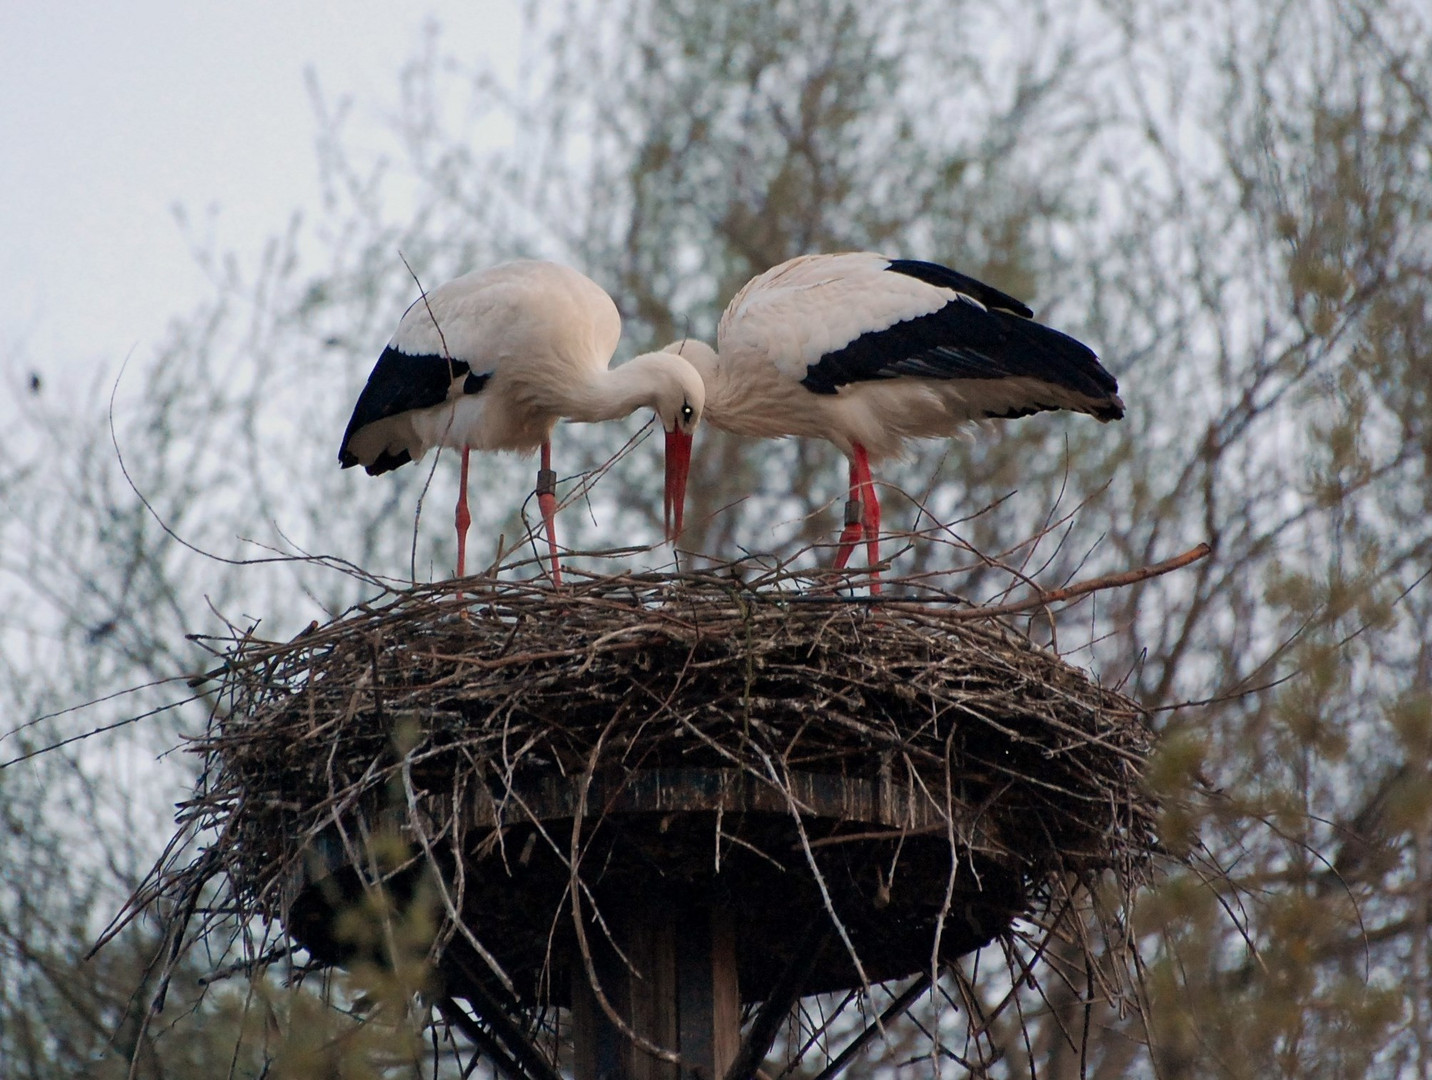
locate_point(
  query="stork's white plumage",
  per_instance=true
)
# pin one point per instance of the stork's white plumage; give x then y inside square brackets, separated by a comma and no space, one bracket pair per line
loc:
[867,352]
[492,360]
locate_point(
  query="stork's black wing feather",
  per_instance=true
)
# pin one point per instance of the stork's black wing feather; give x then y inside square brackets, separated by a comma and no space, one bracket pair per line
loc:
[964,340]
[945,278]
[401,383]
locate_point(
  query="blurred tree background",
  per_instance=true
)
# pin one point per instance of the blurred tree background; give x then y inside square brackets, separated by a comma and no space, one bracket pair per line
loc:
[1231,202]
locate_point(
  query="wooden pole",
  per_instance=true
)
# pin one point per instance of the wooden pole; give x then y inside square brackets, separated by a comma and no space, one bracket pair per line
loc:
[679,994]
[708,997]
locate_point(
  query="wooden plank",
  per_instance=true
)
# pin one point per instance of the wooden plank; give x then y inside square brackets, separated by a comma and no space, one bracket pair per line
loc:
[726,992]
[695,999]
[641,990]
[651,988]
[596,1043]
[708,995]
[670,790]
[680,993]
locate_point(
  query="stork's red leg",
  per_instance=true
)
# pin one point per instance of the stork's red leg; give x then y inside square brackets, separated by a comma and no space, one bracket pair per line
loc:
[462,517]
[547,503]
[850,535]
[870,514]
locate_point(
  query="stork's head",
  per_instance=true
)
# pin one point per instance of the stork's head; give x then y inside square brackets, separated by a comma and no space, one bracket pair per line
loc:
[679,400]
[696,360]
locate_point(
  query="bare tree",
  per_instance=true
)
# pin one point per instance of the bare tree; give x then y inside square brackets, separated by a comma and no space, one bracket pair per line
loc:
[1232,205]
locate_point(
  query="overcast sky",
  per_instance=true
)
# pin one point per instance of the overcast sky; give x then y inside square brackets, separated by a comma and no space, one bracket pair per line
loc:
[115,113]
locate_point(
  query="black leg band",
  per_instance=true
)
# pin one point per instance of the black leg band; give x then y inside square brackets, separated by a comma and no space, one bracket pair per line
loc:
[546,481]
[853,512]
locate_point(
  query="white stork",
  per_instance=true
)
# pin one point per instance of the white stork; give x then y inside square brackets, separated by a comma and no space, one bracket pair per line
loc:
[867,352]
[492,360]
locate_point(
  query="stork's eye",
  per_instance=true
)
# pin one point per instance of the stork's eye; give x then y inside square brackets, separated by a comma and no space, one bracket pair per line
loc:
[687,412]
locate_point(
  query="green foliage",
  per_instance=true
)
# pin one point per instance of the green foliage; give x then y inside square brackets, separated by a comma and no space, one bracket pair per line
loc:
[380,1033]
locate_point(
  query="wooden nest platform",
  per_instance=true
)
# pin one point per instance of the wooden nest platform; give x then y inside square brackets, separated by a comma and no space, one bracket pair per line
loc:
[836,793]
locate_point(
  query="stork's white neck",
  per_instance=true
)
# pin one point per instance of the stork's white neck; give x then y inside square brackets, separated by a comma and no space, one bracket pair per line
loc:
[703,358]
[698,354]
[650,381]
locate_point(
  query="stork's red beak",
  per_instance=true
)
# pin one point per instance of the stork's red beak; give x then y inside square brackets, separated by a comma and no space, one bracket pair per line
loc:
[678,464]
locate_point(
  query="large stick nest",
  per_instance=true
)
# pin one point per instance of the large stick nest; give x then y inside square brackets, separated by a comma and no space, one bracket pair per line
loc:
[910,775]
